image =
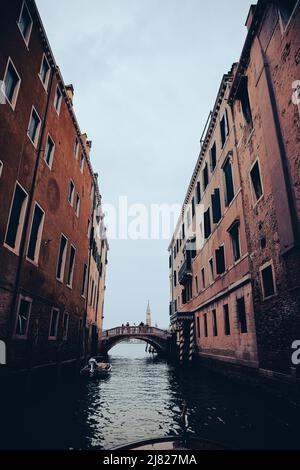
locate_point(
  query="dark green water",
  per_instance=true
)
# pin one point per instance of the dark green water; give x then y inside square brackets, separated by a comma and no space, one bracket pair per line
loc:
[142,398]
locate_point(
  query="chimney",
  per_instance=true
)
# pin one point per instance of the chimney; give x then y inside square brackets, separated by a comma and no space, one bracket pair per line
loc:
[250,16]
[70,92]
[88,147]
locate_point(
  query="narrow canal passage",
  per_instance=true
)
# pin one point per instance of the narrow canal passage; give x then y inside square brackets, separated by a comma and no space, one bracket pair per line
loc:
[142,398]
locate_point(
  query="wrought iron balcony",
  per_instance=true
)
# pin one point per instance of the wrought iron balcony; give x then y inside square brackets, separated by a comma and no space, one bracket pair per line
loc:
[185,271]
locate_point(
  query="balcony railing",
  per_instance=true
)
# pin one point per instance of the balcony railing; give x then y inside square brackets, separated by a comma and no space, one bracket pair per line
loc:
[185,271]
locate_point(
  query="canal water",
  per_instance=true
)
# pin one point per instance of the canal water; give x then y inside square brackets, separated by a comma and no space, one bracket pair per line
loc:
[142,398]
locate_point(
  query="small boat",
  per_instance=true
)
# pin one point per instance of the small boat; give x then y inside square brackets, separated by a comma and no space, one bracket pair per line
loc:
[173,443]
[96,369]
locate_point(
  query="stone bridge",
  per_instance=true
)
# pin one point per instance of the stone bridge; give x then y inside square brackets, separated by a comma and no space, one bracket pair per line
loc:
[159,339]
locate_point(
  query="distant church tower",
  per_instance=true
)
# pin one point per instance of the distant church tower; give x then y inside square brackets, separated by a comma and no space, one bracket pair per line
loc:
[148,315]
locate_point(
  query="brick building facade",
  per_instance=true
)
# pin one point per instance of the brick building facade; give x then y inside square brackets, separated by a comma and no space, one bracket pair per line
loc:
[235,271]
[49,206]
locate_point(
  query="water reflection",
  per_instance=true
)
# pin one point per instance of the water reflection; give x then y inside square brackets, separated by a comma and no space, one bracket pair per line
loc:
[142,398]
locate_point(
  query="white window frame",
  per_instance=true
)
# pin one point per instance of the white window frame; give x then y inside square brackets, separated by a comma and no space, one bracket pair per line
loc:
[39,238]
[45,85]
[82,163]
[254,200]
[83,294]
[38,128]
[237,222]
[89,227]
[71,202]
[77,205]
[17,89]
[26,40]
[196,284]
[225,261]
[65,333]
[70,284]
[29,300]
[229,158]
[261,269]
[53,338]
[1,167]
[60,100]
[63,262]
[211,274]
[49,165]
[76,147]
[21,221]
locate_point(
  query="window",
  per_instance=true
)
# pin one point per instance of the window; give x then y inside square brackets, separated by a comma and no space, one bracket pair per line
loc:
[224,128]
[92,191]
[92,292]
[205,176]
[71,267]
[76,148]
[11,84]
[35,237]
[188,218]
[71,193]
[196,283]
[235,240]
[193,207]
[45,72]
[220,260]
[83,286]
[57,100]
[34,127]
[1,168]
[228,180]
[89,229]
[203,278]
[54,320]
[65,326]
[257,190]
[175,279]
[216,206]
[198,192]
[77,205]
[213,157]
[61,258]
[49,151]
[24,310]
[241,311]
[198,327]
[183,231]
[226,320]
[243,97]
[25,23]
[211,270]
[207,225]
[16,218]
[81,163]
[286,9]
[205,325]
[215,324]
[267,279]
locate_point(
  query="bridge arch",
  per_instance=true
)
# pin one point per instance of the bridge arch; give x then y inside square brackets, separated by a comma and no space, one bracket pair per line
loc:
[156,337]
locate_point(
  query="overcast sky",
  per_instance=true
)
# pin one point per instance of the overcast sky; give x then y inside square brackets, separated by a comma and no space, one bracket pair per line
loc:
[146,74]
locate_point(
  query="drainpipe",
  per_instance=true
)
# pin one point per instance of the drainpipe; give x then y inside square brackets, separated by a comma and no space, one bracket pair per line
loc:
[28,210]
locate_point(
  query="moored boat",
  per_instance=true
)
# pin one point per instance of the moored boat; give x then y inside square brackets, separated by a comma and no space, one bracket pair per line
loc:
[177,443]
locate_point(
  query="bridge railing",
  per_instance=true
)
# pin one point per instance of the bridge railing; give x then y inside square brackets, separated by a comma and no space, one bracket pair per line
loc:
[134,330]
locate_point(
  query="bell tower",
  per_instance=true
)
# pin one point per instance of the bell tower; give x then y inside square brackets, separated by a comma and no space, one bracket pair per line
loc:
[148,315]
